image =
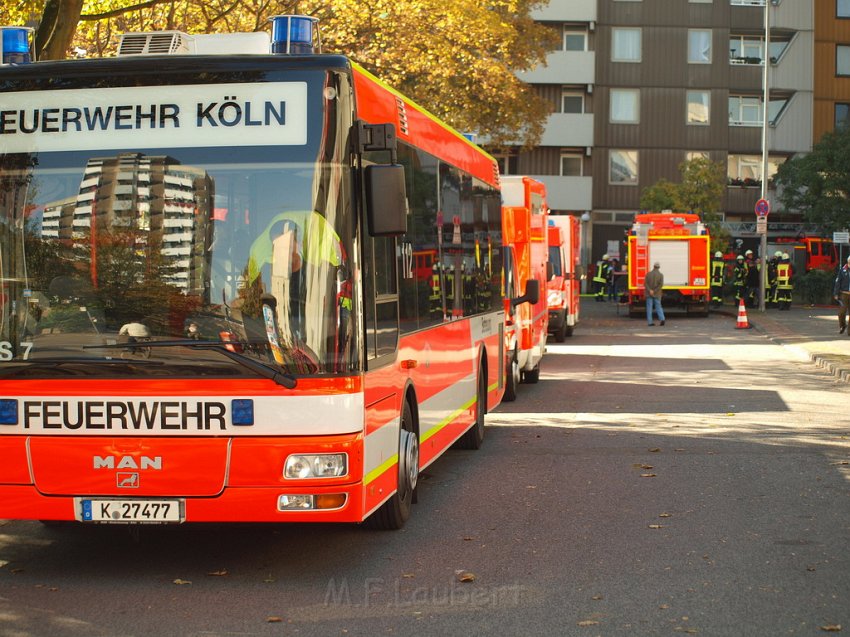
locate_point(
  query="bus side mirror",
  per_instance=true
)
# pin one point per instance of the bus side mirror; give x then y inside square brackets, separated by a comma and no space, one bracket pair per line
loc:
[386,200]
[550,271]
[532,294]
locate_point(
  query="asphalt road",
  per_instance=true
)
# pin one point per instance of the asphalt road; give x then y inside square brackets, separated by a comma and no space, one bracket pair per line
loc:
[685,479]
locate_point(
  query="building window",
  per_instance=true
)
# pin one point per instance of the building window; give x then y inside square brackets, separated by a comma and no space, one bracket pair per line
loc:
[625,106]
[746,49]
[745,170]
[699,46]
[744,110]
[699,105]
[572,101]
[625,45]
[623,168]
[697,154]
[842,59]
[508,164]
[842,115]
[575,39]
[572,165]
[842,8]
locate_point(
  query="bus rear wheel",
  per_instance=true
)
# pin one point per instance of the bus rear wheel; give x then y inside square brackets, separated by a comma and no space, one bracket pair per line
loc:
[394,512]
[474,436]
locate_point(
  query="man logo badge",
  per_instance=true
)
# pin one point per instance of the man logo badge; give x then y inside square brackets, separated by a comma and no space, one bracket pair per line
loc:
[127,480]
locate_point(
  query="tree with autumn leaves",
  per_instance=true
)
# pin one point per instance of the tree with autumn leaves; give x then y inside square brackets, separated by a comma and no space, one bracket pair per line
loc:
[700,191]
[457,59]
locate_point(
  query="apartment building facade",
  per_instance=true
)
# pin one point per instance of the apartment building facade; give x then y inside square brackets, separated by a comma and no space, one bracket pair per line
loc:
[639,86]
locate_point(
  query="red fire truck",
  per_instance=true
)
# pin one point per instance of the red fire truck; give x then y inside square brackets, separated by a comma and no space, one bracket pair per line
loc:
[564,285]
[212,310]
[680,243]
[524,226]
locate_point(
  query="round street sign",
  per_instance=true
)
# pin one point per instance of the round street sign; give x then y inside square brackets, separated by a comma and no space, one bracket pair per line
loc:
[762,207]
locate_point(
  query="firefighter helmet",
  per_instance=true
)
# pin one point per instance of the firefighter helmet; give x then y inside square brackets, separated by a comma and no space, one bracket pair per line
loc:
[604,257]
[718,255]
[785,255]
[778,254]
[740,257]
[748,253]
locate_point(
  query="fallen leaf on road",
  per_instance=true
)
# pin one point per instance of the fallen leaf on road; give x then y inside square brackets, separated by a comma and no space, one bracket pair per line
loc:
[831,628]
[465,576]
[654,450]
[665,515]
[730,413]
[656,526]
[220,573]
[597,597]
[181,582]
[274,619]
[647,475]
[588,622]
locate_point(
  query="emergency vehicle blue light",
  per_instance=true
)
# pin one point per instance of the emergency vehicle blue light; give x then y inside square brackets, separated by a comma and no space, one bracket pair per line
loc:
[242,410]
[292,34]
[16,46]
[8,411]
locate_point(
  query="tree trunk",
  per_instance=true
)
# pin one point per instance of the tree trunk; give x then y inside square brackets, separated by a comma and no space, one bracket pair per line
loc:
[57,27]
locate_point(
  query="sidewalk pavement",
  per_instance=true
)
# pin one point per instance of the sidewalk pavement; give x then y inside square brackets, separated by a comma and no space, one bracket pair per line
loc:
[811,330]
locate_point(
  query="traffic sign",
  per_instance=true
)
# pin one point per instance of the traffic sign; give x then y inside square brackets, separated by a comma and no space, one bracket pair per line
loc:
[762,207]
[841,237]
[761,225]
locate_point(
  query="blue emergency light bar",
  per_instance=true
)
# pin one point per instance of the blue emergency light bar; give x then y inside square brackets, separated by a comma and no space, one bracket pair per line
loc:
[15,45]
[293,34]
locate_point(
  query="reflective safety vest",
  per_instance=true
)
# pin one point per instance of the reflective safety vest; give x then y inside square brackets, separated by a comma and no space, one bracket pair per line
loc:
[717,269]
[783,276]
[601,275]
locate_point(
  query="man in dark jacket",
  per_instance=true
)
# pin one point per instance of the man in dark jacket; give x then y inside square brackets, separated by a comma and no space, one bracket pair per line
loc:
[841,293]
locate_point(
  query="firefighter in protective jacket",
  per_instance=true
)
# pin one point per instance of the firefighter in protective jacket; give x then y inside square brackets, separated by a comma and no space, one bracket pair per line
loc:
[718,269]
[600,278]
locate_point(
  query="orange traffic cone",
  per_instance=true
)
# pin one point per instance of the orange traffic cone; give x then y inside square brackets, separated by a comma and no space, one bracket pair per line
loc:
[743,323]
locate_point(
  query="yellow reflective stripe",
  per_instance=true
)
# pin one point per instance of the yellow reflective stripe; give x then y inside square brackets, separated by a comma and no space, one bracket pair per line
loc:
[377,471]
[443,423]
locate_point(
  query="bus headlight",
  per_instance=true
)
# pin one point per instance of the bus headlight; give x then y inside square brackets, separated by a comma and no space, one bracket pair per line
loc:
[555,297]
[320,465]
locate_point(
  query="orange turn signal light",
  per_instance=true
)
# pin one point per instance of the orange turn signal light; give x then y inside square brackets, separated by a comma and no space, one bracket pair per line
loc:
[330,500]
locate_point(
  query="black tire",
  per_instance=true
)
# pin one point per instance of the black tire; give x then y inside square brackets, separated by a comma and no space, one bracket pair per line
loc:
[561,333]
[514,377]
[394,512]
[531,377]
[474,436]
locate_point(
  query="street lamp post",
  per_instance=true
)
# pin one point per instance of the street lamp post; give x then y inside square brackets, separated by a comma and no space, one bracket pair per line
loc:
[764,148]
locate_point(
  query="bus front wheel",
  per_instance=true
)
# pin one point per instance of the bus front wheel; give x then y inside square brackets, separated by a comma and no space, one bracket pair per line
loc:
[394,512]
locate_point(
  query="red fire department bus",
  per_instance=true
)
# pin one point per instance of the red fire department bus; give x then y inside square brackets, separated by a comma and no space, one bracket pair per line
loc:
[209,306]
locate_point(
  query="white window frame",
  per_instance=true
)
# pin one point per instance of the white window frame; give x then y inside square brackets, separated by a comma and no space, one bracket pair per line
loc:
[571,155]
[628,157]
[740,105]
[749,46]
[631,107]
[842,55]
[700,46]
[707,103]
[571,93]
[617,52]
[571,29]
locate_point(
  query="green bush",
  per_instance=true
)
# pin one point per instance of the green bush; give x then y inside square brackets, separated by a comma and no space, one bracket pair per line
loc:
[814,287]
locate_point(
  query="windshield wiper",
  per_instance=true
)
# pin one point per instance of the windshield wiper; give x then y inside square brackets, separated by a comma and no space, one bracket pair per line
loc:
[261,369]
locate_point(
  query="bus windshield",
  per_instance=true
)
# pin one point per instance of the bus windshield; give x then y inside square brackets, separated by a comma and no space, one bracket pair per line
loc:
[103,252]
